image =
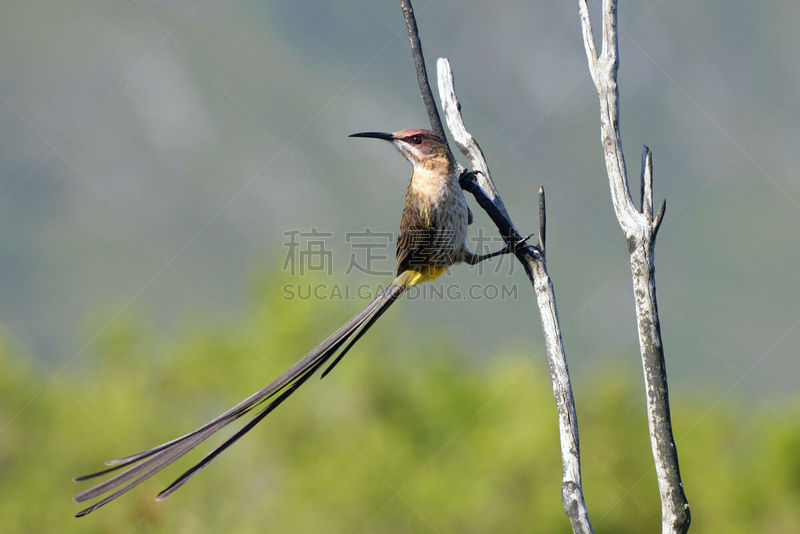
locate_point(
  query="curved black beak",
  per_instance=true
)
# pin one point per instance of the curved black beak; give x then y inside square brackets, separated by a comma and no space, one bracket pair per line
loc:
[375,135]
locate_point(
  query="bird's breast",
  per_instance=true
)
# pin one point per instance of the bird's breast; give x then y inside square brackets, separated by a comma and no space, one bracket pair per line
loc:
[429,185]
[442,206]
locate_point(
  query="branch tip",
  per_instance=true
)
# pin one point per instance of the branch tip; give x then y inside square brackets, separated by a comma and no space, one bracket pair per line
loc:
[659,217]
[588,37]
[647,182]
[419,66]
[610,33]
[542,219]
[464,140]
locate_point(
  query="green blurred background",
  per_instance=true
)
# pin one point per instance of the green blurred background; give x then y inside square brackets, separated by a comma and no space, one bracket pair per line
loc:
[154,154]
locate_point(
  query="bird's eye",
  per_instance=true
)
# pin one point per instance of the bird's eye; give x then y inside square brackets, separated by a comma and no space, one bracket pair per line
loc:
[416,139]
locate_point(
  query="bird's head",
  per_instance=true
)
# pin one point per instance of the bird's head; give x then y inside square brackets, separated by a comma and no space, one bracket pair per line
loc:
[422,148]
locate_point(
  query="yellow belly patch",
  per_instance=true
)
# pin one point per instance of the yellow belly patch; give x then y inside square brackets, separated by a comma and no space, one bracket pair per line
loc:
[413,277]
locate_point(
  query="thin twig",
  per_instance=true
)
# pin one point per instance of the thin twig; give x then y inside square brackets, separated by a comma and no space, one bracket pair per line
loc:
[542,220]
[419,66]
[647,182]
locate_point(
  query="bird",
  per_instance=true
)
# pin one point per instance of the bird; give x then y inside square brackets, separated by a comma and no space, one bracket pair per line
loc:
[432,238]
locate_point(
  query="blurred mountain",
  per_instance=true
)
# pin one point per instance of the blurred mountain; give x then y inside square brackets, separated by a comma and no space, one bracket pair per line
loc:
[154,154]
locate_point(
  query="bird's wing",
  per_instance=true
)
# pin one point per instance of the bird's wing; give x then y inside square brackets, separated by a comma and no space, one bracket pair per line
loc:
[419,240]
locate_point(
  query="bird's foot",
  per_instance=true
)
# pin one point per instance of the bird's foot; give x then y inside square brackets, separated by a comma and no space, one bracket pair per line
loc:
[508,249]
[467,176]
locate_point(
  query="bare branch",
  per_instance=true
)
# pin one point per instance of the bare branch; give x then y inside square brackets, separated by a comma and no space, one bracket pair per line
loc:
[610,50]
[659,217]
[647,182]
[464,140]
[588,37]
[534,262]
[542,220]
[640,231]
[571,486]
[419,66]
[604,75]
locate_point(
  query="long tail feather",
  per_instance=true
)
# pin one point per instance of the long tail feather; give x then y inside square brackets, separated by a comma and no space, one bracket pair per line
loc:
[143,465]
[180,481]
[361,332]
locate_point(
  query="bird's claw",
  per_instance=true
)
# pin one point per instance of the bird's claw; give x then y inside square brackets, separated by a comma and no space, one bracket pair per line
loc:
[513,247]
[467,175]
[524,240]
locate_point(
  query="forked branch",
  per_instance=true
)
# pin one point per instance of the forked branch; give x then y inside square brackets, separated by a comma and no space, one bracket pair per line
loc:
[640,228]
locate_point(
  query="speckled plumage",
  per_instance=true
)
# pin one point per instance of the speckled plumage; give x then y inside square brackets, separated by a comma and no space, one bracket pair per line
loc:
[433,228]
